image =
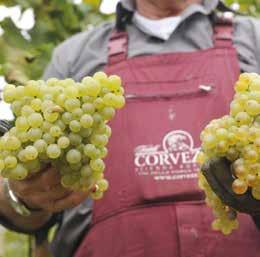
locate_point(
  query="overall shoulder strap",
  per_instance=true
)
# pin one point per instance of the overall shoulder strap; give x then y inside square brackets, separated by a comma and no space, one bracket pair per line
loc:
[117,46]
[118,42]
[223,27]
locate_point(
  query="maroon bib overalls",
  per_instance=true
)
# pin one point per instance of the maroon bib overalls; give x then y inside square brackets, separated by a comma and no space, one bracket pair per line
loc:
[154,207]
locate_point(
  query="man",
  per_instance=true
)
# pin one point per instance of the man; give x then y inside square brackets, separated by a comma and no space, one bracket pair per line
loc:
[178,62]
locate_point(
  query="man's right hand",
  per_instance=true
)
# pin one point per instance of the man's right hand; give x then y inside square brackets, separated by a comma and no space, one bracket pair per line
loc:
[44,191]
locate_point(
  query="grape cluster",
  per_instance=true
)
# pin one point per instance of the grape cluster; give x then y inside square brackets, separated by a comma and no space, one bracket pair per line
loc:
[62,123]
[237,137]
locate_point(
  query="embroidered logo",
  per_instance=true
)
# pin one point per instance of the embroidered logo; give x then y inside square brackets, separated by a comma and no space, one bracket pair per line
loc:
[174,159]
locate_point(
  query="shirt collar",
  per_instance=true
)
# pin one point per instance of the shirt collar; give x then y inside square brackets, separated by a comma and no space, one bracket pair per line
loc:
[206,8]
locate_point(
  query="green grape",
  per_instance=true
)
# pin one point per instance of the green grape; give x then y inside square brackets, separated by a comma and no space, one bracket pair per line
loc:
[40,145]
[101,77]
[46,104]
[97,195]
[19,172]
[108,131]
[114,82]
[46,126]
[56,92]
[27,110]
[77,113]
[32,88]
[61,99]
[34,134]
[103,185]
[75,126]
[53,151]
[75,139]
[76,166]
[21,124]
[92,86]
[85,132]
[30,153]
[97,175]
[91,151]
[60,124]
[13,131]
[87,99]
[108,113]
[252,107]
[242,118]
[71,91]
[86,121]
[9,95]
[63,142]
[36,104]
[48,138]
[88,108]
[97,118]
[50,116]
[99,140]
[255,84]
[66,117]
[55,131]
[98,103]
[69,180]
[16,107]
[33,166]
[103,152]
[10,162]
[73,156]
[104,91]
[71,104]
[221,134]
[80,147]
[239,186]
[109,99]
[52,82]
[20,91]
[97,165]
[101,129]
[21,156]
[86,171]
[48,96]
[13,143]
[119,102]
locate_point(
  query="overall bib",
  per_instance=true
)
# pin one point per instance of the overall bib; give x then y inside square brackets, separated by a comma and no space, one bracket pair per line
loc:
[154,207]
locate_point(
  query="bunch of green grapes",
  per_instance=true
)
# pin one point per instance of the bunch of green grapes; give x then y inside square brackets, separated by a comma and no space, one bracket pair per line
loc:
[62,123]
[237,137]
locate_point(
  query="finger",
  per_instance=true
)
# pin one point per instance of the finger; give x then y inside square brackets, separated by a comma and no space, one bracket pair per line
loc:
[43,182]
[54,194]
[71,201]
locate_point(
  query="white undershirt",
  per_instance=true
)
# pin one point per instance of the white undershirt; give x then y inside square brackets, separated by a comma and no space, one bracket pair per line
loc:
[162,28]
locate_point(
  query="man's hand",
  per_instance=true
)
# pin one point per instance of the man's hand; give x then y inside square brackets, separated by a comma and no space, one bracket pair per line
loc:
[219,176]
[44,191]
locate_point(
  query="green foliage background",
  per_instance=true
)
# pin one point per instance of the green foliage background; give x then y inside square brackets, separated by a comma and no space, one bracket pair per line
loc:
[22,59]
[55,20]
